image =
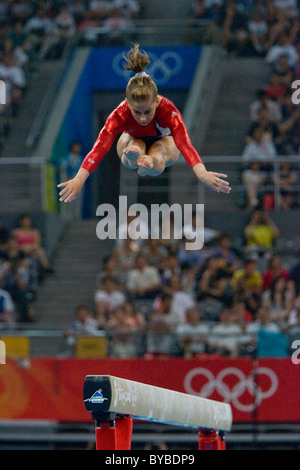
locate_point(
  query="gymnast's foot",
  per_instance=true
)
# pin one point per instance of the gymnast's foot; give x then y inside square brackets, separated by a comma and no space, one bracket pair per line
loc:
[130,156]
[145,165]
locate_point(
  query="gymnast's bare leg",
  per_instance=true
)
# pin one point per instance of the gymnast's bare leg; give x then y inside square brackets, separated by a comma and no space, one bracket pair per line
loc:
[161,154]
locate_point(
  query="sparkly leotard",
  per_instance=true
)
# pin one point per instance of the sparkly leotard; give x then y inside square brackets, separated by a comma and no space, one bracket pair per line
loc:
[166,121]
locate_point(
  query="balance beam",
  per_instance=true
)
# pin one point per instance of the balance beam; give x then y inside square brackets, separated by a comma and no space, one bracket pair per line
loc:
[107,396]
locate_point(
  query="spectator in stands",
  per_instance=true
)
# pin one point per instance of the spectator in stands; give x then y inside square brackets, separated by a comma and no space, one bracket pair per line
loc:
[247,282]
[161,340]
[128,9]
[20,39]
[122,328]
[240,313]
[273,271]
[283,45]
[117,28]
[209,13]
[15,278]
[109,295]
[272,130]
[291,141]
[98,9]
[287,182]
[42,32]
[200,11]
[284,71]
[263,101]
[137,317]
[264,322]
[288,6]
[260,233]
[294,314]
[259,149]
[65,23]
[293,329]
[258,32]
[181,300]
[155,253]
[171,268]
[7,310]
[253,178]
[225,251]
[21,11]
[235,35]
[188,279]
[101,315]
[192,334]
[30,242]
[84,323]
[13,55]
[28,270]
[295,276]
[15,81]
[192,258]
[126,253]
[274,87]
[111,268]
[77,9]
[71,162]
[68,168]
[225,336]
[214,281]
[143,280]
[279,299]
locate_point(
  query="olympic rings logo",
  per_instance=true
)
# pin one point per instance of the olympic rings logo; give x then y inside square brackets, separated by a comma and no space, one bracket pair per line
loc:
[251,384]
[160,68]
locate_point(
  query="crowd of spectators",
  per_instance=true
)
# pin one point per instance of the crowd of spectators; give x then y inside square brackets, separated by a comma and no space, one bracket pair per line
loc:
[271,30]
[23,266]
[35,30]
[156,299]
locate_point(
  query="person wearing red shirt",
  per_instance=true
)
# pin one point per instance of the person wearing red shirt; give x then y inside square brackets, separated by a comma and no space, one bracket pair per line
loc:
[153,134]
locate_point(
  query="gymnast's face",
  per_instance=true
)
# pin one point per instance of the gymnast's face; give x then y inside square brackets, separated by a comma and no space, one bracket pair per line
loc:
[144,111]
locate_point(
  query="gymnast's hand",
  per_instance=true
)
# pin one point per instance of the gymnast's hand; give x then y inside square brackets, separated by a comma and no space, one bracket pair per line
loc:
[212,179]
[72,188]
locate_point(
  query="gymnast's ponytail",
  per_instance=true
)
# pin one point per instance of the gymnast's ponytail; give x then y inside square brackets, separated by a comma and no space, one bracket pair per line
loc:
[141,86]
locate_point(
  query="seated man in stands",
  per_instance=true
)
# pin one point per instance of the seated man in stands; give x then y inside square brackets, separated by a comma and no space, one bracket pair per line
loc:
[143,280]
[192,333]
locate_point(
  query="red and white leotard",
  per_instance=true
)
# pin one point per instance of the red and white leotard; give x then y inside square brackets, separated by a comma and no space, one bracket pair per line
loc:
[166,121]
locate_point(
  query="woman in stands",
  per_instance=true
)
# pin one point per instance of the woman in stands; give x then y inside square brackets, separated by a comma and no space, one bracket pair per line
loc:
[153,134]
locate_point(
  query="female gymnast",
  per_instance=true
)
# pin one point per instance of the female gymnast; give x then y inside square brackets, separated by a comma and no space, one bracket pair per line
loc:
[153,134]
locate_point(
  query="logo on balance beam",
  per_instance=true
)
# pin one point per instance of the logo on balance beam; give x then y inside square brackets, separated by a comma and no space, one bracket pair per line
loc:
[97,397]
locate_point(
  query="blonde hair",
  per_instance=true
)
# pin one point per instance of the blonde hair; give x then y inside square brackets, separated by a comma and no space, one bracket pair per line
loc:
[140,87]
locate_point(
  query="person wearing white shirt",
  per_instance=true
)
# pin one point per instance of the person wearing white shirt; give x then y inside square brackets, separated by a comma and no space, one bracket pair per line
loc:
[143,280]
[283,46]
[109,295]
[192,333]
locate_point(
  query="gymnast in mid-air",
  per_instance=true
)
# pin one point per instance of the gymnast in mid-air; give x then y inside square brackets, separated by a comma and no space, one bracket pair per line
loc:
[153,134]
